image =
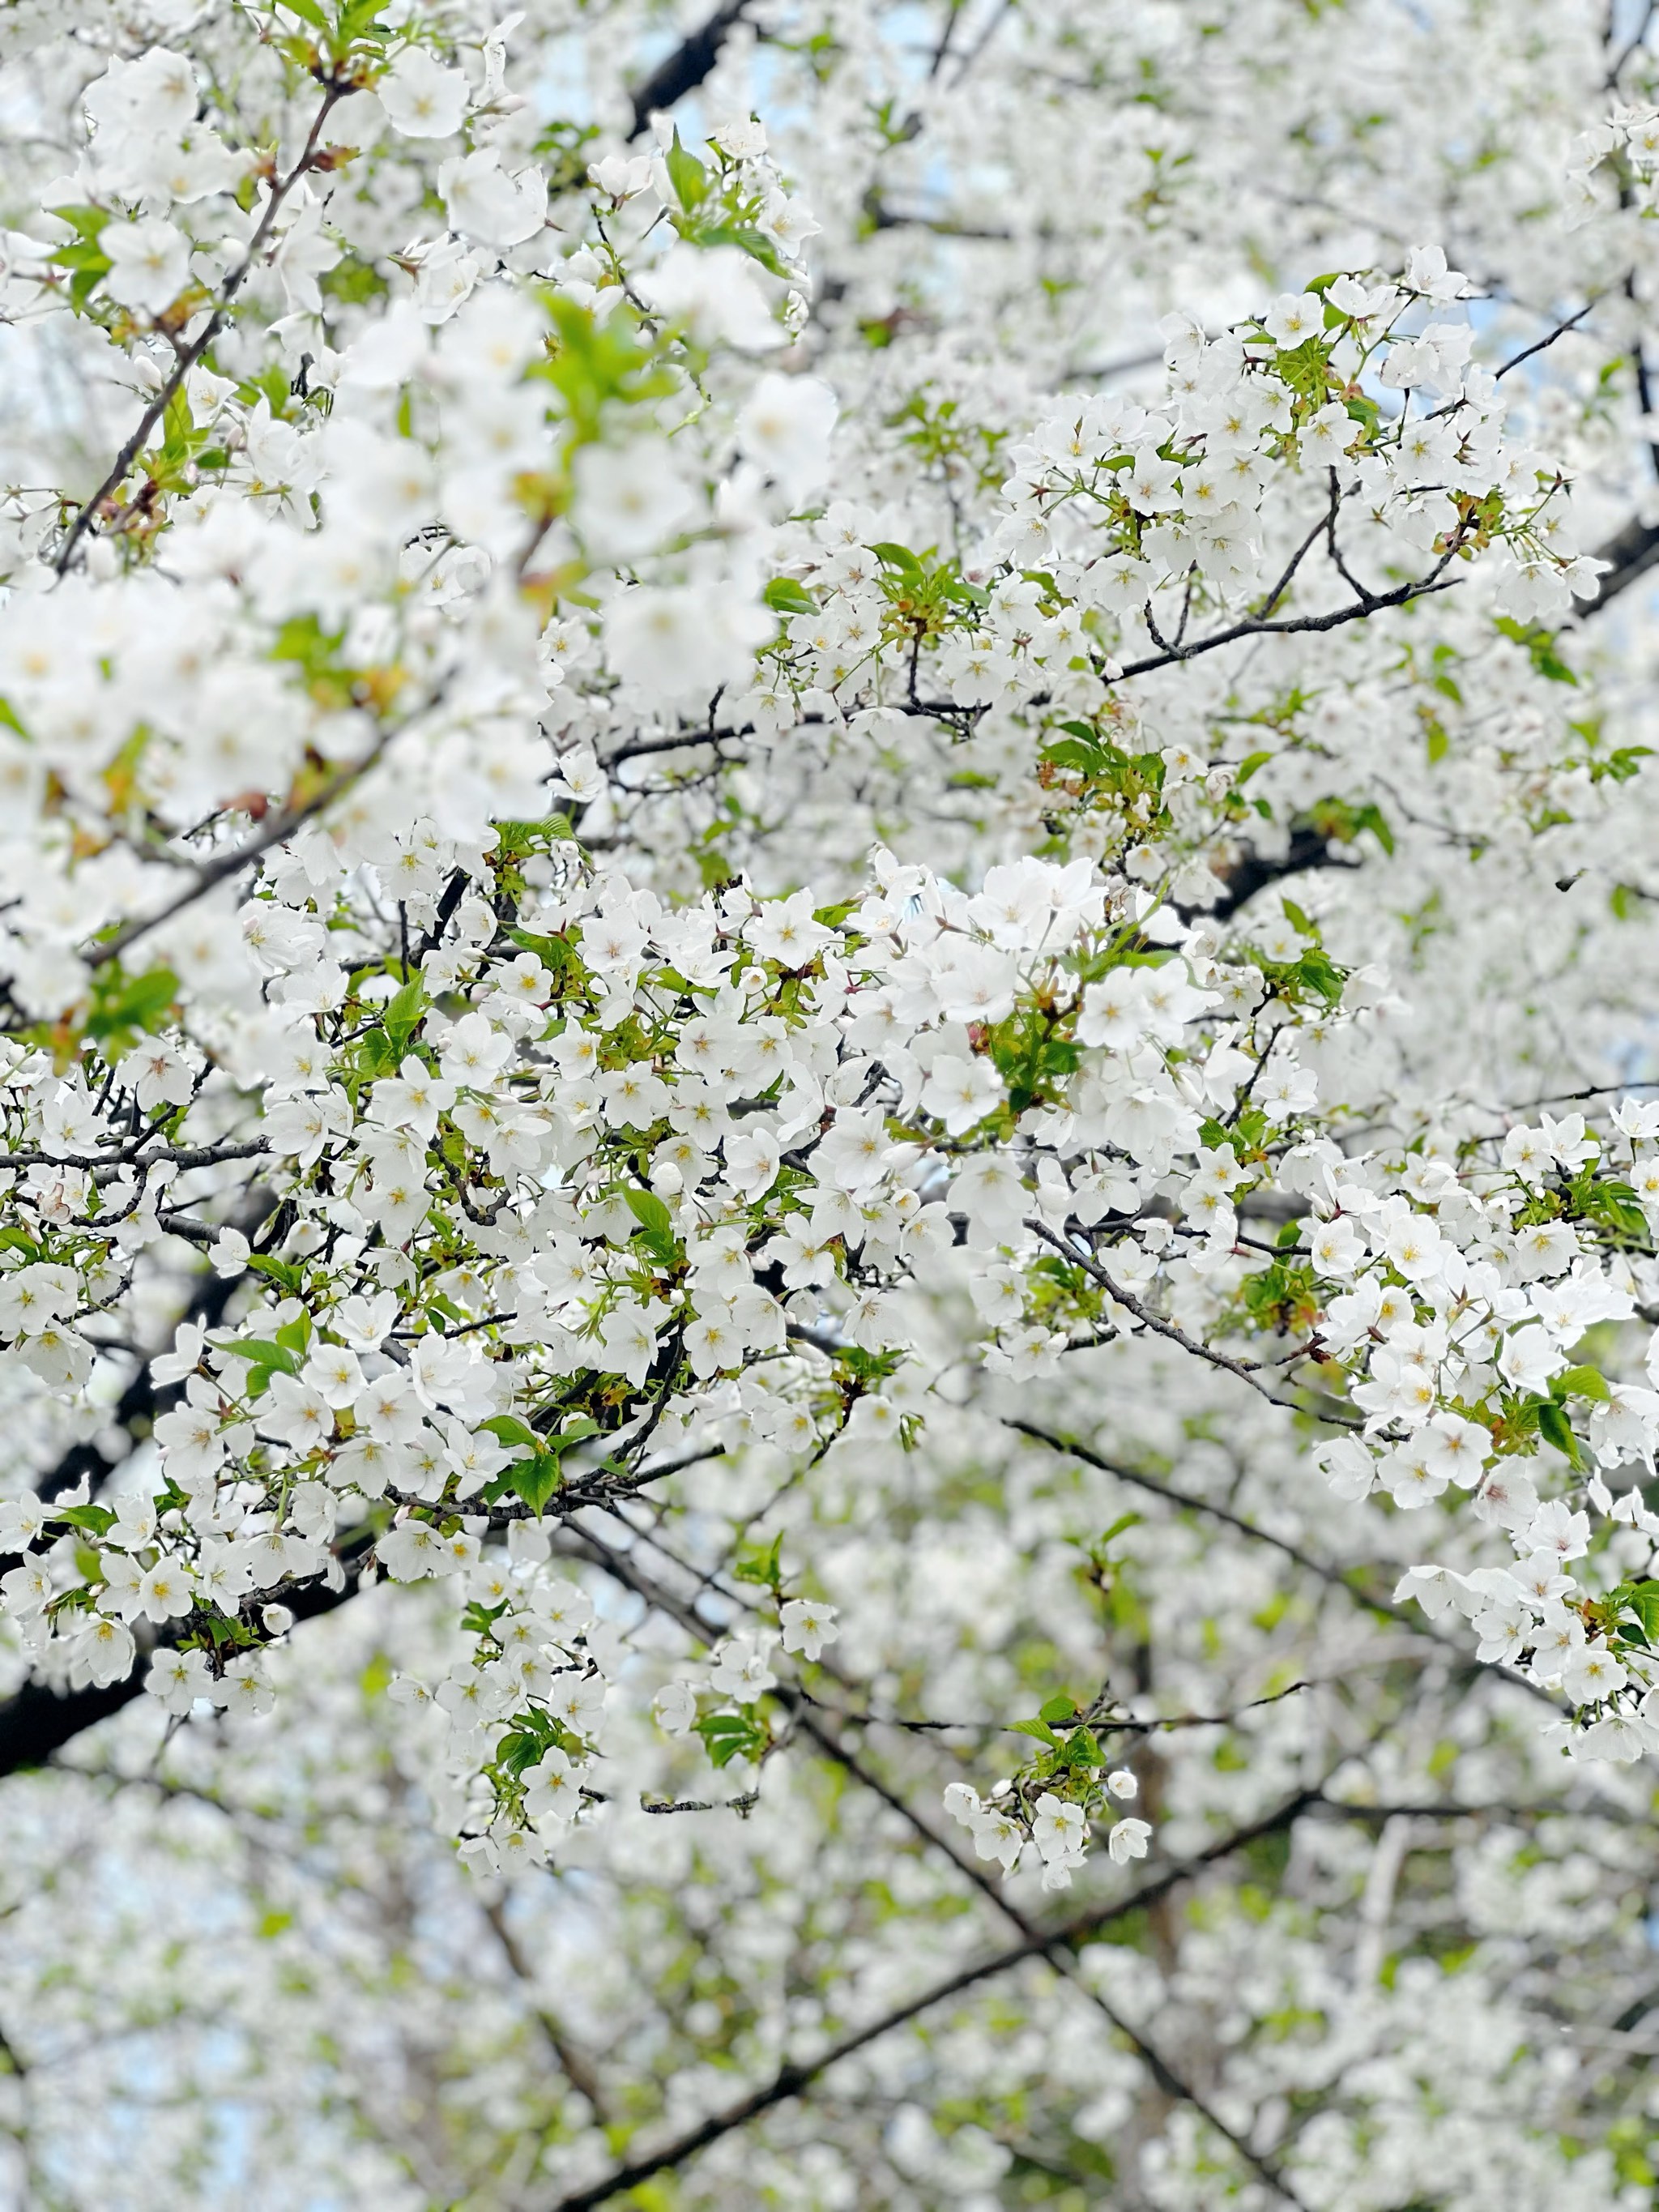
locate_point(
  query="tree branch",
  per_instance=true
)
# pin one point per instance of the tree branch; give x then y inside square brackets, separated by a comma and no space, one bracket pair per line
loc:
[685,69]
[213,872]
[805,1714]
[1244,1370]
[1253,626]
[1629,555]
[1308,850]
[1371,1601]
[797,2076]
[192,353]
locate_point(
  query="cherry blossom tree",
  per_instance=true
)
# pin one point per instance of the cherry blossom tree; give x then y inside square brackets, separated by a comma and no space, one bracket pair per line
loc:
[828,1248]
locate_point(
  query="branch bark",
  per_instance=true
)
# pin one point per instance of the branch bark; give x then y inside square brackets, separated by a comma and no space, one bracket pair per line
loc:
[686,68]
[37,1721]
[806,1715]
[1629,553]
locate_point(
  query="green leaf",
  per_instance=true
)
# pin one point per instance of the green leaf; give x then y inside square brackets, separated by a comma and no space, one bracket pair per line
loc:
[123,1004]
[223,1629]
[519,1749]
[1540,646]
[1371,816]
[572,1433]
[1642,1600]
[1123,1521]
[511,1430]
[727,1737]
[649,1210]
[1082,755]
[82,257]
[552,952]
[688,176]
[786,596]
[534,1479]
[1581,1382]
[1556,1428]
[656,1230]
[1317,972]
[761,1564]
[1058,1711]
[902,558]
[260,1351]
[1040,1729]
[294,1336]
[744,235]
[357,20]
[90,222]
[1626,901]
[403,1014]
[97,1518]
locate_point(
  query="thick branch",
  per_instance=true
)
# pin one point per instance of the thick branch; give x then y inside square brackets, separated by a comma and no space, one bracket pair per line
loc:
[1629,556]
[1309,848]
[37,1721]
[685,69]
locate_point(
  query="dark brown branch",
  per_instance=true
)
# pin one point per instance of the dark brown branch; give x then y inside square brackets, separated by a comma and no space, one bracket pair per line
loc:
[1254,626]
[637,748]
[1539,345]
[1309,849]
[202,1156]
[224,864]
[37,1721]
[1629,555]
[685,69]
[190,355]
[796,2076]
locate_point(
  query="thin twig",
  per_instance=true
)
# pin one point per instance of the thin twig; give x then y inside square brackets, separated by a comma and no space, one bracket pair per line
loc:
[1251,626]
[1560,331]
[1246,1370]
[192,353]
[1372,1601]
[211,872]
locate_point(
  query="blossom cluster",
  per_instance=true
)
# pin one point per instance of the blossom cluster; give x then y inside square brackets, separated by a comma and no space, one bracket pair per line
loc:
[531,1166]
